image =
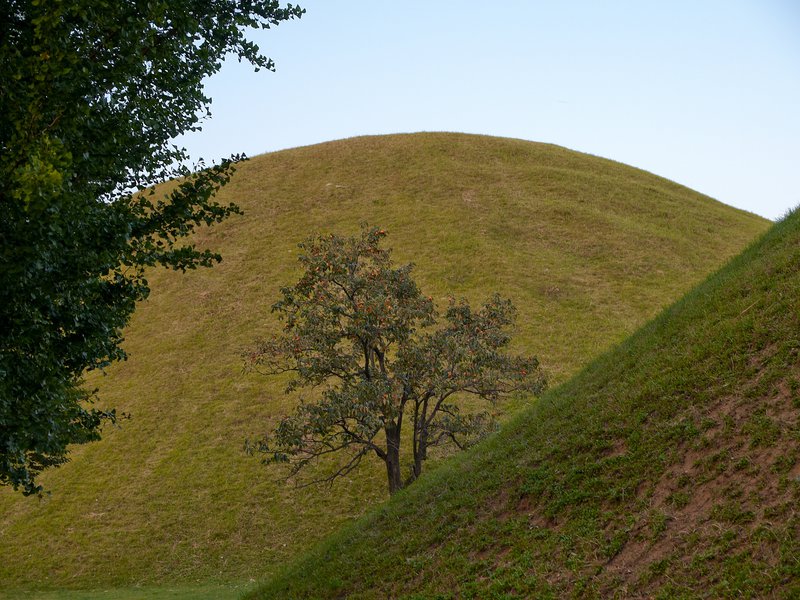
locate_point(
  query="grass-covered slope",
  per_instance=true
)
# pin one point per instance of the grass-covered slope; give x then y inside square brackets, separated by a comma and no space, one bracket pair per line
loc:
[670,467]
[588,249]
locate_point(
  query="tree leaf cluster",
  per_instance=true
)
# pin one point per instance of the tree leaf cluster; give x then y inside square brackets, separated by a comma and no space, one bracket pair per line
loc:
[358,330]
[93,94]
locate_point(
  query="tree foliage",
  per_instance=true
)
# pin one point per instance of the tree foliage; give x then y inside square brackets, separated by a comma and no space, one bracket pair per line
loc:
[360,329]
[93,92]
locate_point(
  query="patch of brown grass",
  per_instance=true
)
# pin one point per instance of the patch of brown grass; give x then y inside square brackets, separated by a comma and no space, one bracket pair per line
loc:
[729,482]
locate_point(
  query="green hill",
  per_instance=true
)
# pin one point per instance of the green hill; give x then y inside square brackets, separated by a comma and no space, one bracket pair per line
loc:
[588,250]
[668,468]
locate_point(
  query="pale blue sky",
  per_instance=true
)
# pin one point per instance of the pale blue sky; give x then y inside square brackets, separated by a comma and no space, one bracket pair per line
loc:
[706,93]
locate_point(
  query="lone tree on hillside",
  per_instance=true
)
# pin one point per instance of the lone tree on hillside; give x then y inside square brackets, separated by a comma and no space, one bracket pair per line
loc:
[92,95]
[361,328]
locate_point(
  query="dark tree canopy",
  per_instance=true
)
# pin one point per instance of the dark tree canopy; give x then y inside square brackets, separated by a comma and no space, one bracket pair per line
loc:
[92,93]
[359,329]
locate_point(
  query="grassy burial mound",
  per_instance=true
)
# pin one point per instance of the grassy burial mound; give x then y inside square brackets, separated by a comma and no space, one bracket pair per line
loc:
[669,468]
[587,249]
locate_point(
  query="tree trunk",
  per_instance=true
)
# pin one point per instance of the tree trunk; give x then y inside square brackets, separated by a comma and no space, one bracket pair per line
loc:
[393,459]
[420,453]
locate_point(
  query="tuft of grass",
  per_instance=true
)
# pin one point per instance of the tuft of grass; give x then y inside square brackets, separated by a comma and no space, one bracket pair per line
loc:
[588,249]
[659,515]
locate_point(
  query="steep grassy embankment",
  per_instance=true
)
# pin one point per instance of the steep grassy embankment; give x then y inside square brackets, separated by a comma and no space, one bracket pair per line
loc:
[668,468]
[588,249]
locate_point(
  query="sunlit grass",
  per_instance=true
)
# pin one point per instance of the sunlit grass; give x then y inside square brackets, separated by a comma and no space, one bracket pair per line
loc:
[588,250]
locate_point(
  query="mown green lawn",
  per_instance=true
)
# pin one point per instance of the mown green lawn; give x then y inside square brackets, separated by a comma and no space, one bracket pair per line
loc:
[668,468]
[587,249]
